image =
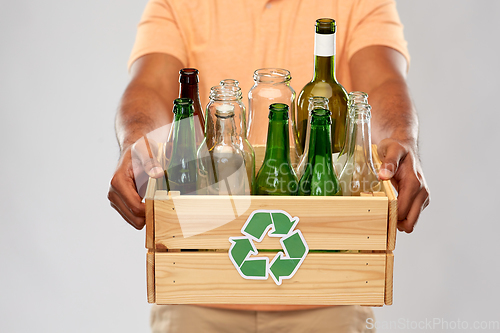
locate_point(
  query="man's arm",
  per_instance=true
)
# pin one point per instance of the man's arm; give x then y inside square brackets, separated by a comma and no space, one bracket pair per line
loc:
[145,105]
[381,72]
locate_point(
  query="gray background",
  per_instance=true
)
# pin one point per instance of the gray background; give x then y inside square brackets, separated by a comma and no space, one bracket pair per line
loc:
[68,263]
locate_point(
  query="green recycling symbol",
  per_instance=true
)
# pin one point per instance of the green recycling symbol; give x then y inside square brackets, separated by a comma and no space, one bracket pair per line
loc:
[284,264]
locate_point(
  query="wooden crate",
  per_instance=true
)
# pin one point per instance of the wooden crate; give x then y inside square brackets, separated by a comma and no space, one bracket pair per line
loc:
[362,228]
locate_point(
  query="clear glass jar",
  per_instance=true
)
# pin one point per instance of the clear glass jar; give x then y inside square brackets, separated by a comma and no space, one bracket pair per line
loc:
[271,85]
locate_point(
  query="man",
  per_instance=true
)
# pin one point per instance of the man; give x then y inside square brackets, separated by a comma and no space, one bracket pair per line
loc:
[230,39]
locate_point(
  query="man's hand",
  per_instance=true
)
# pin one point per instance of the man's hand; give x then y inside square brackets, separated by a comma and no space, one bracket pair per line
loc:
[136,164]
[400,163]
[381,72]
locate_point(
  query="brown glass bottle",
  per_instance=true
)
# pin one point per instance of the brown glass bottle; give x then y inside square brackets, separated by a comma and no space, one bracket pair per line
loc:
[188,80]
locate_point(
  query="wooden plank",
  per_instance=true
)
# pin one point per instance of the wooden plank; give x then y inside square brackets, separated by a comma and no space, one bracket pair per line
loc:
[327,223]
[149,202]
[323,279]
[392,224]
[389,278]
[393,217]
[260,152]
[150,276]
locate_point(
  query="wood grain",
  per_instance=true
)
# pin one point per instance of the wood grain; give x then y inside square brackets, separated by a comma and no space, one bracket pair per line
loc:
[149,202]
[323,279]
[150,276]
[260,152]
[327,223]
[389,278]
[393,204]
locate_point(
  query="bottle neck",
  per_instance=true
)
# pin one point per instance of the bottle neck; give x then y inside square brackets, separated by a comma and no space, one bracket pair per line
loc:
[324,57]
[190,91]
[360,138]
[320,144]
[317,102]
[277,146]
[224,130]
[183,137]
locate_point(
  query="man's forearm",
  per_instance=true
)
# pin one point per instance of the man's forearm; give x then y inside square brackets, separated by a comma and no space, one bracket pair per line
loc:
[141,111]
[147,102]
[393,113]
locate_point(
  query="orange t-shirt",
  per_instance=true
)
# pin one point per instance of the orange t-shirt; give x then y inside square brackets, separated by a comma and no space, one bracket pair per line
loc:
[230,39]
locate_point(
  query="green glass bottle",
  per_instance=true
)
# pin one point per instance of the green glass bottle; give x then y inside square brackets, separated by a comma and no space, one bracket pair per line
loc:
[324,84]
[181,168]
[276,176]
[319,176]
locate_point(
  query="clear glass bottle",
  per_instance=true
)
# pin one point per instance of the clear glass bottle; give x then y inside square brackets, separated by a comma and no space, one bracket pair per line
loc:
[240,117]
[224,95]
[276,176]
[181,171]
[229,172]
[324,83]
[271,85]
[319,177]
[358,174]
[355,97]
[315,102]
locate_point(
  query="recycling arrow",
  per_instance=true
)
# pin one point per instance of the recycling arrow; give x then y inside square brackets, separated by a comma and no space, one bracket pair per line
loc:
[276,223]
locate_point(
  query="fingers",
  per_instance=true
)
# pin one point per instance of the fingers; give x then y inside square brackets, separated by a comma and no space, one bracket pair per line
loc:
[400,164]
[147,153]
[391,153]
[123,195]
[421,201]
[135,221]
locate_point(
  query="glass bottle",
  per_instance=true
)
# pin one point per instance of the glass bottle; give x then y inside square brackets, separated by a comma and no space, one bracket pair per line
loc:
[240,118]
[224,95]
[188,88]
[271,85]
[276,176]
[233,89]
[229,173]
[355,97]
[315,102]
[358,174]
[319,177]
[181,169]
[324,84]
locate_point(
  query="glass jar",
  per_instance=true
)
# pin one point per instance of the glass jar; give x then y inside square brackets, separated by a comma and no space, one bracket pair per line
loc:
[271,85]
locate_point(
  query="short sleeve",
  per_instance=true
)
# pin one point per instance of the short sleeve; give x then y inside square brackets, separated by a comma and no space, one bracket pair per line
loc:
[158,32]
[376,22]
